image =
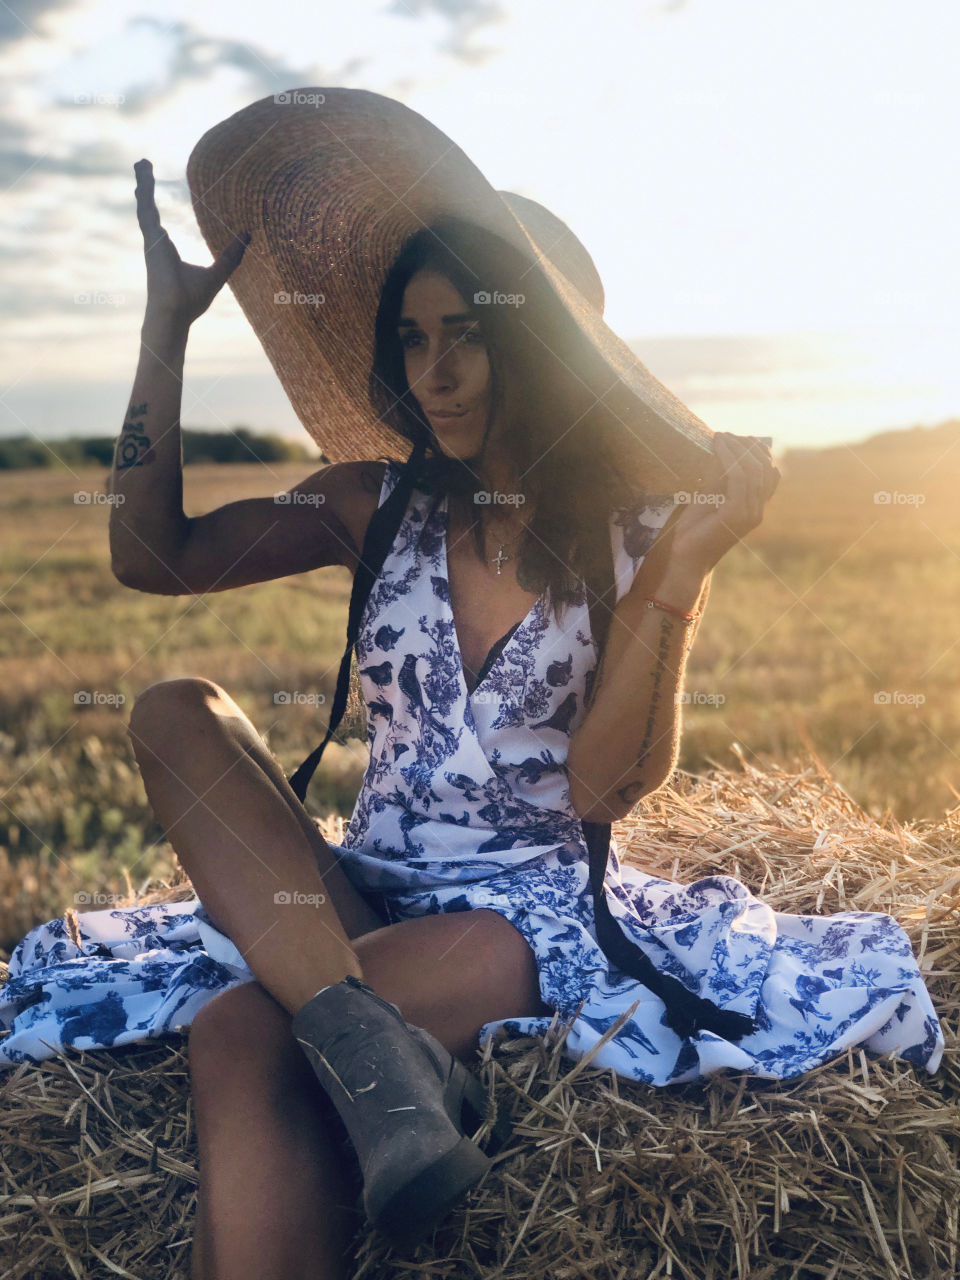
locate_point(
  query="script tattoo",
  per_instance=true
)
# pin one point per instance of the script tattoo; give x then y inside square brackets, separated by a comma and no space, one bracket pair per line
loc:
[633,790]
[133,447]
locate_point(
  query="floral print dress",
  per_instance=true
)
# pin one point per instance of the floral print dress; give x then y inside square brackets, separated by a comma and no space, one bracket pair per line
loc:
[465,804]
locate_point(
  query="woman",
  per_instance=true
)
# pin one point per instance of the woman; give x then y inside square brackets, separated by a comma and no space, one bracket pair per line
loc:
[464,579]
[460,896]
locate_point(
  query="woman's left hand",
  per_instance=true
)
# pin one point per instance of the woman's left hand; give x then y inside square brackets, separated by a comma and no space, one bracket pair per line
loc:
[743,478]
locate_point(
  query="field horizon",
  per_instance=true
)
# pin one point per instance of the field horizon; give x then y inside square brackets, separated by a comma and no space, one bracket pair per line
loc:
[831,630]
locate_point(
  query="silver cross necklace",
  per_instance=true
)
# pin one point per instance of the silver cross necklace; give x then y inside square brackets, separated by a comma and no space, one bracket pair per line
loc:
[501,558]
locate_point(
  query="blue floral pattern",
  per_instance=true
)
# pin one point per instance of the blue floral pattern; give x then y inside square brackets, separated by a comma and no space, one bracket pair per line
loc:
[465,804]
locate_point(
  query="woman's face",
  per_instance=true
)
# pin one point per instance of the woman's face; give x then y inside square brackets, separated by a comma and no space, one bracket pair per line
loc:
[448,370]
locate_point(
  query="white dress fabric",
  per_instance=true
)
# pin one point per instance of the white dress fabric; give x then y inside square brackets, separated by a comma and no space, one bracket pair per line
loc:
[465,804]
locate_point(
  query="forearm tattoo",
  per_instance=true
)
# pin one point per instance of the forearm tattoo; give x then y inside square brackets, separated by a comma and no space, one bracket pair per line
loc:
[633,790]
[133,447]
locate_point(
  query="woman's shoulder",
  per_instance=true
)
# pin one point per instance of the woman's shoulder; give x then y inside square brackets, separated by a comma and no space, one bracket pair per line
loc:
[350,493]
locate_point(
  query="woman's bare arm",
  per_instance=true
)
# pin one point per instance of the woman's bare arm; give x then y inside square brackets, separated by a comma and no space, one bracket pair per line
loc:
[627,744]
[629,741]
[147,522]
[154,545]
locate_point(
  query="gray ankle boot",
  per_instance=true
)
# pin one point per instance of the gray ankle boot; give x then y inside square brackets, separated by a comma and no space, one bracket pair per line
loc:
[401,1097]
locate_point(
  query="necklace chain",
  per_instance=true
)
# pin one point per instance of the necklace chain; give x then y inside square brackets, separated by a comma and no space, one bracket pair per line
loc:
[502,556]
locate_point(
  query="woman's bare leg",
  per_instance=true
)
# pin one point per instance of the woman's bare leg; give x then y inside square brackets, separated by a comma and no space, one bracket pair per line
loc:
[276,1189]
[260,867]
[268,1135]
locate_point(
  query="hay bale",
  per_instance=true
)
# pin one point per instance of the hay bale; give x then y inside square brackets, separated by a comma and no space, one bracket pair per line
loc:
[850,1171]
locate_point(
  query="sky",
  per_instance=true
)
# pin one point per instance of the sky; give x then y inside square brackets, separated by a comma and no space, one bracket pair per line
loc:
[764,187]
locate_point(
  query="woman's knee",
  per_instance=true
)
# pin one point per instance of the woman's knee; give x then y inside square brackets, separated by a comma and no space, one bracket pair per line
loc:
[159,711]
[457,967]
[165,698]
[242,1031]
[511,959]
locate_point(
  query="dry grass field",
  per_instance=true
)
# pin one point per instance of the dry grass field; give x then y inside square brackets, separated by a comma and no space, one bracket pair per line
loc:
[837,598]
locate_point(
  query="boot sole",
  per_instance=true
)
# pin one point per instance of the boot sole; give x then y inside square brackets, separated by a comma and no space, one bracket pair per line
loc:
[421,1203]
[438,1187]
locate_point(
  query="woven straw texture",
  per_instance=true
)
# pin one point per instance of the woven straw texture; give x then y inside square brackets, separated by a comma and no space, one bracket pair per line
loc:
[330,182]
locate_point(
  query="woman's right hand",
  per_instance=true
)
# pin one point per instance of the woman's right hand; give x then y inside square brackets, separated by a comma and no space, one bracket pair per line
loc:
[176,290]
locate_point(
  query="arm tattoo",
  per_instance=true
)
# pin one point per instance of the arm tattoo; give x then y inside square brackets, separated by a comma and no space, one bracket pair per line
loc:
[133,447]
[631,792]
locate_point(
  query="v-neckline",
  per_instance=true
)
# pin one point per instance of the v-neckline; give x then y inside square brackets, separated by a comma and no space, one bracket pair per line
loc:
[444,509]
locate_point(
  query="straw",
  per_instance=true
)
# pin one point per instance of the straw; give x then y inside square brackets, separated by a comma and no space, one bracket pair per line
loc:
[849,1172]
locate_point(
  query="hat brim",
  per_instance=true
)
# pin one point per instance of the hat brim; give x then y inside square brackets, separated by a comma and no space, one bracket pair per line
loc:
[330,183]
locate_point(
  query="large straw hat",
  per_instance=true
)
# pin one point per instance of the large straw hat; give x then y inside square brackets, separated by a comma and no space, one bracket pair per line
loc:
[330,182]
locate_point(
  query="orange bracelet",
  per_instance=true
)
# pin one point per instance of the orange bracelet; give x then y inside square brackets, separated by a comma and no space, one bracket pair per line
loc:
[653,603]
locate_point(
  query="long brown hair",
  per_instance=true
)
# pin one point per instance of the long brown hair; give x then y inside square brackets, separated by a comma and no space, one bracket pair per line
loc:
[541,383]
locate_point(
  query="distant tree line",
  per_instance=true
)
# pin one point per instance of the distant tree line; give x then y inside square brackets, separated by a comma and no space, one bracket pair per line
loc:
[239,445]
